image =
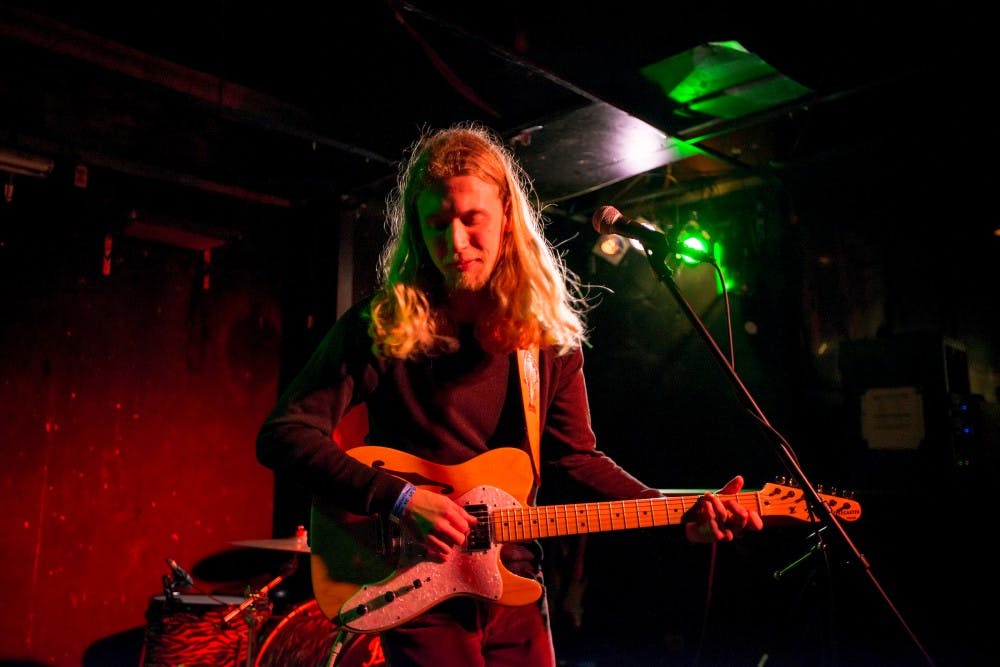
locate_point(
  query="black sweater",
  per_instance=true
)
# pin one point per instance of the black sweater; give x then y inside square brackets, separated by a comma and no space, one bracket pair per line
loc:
[446,409]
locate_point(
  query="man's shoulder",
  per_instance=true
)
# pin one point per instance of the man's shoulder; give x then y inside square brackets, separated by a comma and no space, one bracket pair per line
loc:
[360,308]
[555,356]
[352,324]
[357,315]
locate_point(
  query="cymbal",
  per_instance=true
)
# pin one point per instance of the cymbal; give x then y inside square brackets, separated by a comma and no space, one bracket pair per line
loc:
[296,544]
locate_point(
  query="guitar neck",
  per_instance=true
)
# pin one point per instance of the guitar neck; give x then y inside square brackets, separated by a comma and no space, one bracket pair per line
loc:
[520,524]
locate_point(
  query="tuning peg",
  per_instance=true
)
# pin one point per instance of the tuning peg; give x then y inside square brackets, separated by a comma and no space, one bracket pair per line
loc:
[819,488]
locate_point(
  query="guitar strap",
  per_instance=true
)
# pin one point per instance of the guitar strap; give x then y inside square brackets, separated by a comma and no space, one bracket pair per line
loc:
[527,365]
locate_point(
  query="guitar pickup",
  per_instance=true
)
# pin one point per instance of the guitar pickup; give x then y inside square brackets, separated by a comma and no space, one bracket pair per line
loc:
[479,536]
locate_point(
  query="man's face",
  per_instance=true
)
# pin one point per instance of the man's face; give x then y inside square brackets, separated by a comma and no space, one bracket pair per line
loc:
[462,223]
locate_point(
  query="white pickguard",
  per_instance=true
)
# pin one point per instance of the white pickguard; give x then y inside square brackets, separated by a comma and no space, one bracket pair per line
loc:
[418,583]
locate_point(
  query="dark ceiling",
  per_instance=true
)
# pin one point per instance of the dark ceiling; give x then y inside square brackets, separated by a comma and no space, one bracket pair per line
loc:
[273,106]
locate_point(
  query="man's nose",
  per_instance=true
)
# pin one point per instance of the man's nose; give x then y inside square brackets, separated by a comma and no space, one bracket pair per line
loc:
[458,234]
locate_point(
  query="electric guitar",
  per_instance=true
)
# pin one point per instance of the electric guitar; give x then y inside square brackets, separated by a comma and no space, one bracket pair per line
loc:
[369,576]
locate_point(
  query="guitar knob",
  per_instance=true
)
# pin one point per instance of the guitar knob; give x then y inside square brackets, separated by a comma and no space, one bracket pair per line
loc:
[389,596]
[361,609]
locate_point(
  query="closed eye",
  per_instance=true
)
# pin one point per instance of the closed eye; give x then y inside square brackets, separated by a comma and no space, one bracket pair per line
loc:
[469,219]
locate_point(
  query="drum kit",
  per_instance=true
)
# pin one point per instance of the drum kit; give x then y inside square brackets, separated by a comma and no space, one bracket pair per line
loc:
[245,631]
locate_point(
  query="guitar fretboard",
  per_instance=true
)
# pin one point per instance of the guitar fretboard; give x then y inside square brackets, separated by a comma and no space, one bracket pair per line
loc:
[518,524]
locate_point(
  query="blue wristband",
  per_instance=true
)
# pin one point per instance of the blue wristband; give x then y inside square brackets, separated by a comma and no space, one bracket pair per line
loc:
[402,501]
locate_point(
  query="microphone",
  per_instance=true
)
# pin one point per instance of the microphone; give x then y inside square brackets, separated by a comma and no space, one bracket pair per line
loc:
[609,220]
[180,575]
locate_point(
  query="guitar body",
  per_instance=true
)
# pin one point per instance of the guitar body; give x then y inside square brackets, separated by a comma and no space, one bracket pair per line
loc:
[369,576]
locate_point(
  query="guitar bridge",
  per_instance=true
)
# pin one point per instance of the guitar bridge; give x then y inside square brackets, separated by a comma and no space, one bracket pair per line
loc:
[385,538]
[479,536]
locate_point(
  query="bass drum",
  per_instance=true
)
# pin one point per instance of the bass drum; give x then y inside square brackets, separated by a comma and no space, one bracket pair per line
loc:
[305,637]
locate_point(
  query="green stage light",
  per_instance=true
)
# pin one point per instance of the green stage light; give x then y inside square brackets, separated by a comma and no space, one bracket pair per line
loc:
[694,237]
[694,243]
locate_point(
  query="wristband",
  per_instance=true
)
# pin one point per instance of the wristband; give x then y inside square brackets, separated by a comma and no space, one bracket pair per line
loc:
[402,501]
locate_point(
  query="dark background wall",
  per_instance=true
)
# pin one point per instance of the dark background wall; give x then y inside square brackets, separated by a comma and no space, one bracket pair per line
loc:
[130,403]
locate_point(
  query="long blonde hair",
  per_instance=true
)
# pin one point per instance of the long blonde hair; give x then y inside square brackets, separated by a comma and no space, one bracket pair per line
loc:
[535,298]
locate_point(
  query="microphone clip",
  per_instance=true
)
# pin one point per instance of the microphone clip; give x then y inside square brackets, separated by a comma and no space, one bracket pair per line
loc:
[179,576]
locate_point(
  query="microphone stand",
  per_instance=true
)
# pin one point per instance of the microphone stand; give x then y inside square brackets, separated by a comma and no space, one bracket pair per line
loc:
[656,251]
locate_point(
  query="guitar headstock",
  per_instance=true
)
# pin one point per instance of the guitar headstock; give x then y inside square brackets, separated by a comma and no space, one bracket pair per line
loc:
[782,503]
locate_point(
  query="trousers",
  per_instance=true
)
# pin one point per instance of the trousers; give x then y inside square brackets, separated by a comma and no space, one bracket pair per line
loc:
[468,632]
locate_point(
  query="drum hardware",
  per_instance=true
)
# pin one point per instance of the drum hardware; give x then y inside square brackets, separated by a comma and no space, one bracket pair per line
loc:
[256,608]
[177,579]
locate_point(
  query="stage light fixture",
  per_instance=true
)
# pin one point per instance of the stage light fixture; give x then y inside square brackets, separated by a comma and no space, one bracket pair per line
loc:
[611,248]
[694,237]
[698,238]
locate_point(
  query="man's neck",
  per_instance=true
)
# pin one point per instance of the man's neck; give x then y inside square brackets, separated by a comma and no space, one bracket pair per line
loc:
[466,306]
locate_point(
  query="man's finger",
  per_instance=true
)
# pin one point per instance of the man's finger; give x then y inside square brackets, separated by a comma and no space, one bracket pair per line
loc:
[733,486]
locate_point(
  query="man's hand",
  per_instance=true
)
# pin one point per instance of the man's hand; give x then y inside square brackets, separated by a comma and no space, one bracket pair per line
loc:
[439,521]
[713,519]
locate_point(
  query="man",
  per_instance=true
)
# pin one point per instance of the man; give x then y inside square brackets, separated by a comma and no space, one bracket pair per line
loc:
[443,358]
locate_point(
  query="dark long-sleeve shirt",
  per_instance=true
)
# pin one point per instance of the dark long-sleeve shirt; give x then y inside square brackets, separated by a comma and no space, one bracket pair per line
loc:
[445,409]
